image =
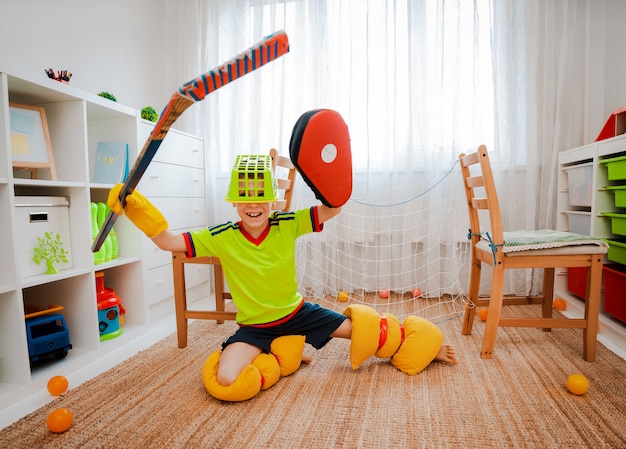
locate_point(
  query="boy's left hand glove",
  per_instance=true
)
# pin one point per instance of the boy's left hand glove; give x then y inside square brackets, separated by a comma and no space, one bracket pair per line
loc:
[139,210]
[320,150]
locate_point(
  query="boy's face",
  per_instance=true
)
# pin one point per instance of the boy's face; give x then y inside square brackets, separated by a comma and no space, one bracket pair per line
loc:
[253,215]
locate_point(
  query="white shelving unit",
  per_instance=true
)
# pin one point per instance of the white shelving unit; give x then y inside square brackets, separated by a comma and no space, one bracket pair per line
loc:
[584,214]
[77,121]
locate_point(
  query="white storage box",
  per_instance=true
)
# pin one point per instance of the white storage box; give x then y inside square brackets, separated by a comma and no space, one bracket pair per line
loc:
[580,184]
[579,222]
[35,216]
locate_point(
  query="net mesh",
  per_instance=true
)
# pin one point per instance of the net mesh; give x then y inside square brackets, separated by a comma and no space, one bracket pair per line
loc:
[412,254]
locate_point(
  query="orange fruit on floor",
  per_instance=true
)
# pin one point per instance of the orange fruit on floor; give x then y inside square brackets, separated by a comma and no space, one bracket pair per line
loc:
[342,296]
[59,420]
[384,293]
[577,384]
[57,385]
[559,304]
[482,314]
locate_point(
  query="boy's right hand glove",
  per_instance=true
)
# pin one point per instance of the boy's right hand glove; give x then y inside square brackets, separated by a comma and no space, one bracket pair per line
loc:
[138,210]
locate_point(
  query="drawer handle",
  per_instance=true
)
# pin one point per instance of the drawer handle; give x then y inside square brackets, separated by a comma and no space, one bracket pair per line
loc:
[195,150]
[160,281]
[196,180]
[155,176]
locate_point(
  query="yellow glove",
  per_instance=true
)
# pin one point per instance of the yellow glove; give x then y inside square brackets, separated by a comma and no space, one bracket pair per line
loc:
[138,210]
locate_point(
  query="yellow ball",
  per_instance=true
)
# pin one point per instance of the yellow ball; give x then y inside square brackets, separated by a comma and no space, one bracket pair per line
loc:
[342,296]
[577,384]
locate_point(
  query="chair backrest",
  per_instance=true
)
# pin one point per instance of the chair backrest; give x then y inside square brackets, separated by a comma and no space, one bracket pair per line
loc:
[285,173]
[480,191]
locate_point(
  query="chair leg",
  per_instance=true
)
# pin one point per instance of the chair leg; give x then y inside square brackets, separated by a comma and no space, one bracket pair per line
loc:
[548,295]
[220,304]
[474,289]
[592,309]
[495,308]
[180,299]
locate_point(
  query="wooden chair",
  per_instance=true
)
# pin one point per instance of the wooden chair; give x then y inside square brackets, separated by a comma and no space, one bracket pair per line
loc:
[491,249]
[285,173]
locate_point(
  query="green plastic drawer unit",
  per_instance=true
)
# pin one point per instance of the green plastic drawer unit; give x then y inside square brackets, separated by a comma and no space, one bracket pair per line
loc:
[620,195]
[617,250]
[618,222]
[616,167]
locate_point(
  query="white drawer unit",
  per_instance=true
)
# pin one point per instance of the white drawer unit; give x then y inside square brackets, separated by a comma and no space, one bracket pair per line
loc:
[182,213]
[175,183]
[162,179]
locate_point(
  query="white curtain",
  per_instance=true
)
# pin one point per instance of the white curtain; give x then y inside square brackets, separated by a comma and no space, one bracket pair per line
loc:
[417,82]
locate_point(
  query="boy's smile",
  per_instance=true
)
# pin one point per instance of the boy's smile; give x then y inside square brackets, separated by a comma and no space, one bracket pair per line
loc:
[254,217]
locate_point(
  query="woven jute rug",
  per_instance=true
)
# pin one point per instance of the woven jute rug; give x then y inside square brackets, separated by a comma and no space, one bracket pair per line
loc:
[518,399]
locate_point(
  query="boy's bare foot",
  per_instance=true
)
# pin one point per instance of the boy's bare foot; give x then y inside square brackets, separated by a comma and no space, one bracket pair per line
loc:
[306,359]
[447,355]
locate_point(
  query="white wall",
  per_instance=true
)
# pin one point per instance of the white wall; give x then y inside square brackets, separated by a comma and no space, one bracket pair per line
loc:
[110,45]
[607,65]
[121,46]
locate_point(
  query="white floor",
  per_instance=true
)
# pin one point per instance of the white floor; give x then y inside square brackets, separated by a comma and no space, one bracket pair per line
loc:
[614,341]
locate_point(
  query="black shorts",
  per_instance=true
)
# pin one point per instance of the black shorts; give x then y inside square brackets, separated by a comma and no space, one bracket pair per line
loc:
[314,322]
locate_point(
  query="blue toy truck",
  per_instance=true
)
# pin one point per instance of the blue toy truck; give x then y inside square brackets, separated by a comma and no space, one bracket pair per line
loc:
[47,335]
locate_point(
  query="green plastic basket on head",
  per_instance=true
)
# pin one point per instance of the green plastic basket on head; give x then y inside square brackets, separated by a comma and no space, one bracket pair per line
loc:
[251,180]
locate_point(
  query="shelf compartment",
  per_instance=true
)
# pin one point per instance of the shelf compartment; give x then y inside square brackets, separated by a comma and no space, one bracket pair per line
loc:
[617,250]
[620,195]
[618,222]
[616,168]
[579,222]
[614,285]
[580,184]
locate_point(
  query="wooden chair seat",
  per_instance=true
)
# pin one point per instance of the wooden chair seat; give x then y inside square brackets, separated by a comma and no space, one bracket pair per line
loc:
[489,247]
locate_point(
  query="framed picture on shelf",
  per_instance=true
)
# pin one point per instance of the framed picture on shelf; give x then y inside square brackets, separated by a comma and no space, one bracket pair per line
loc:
[31,148]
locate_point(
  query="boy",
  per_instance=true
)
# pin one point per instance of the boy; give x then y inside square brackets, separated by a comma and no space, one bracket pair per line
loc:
[258,248]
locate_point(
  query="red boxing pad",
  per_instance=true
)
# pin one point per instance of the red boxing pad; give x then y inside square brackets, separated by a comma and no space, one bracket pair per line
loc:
[320,150]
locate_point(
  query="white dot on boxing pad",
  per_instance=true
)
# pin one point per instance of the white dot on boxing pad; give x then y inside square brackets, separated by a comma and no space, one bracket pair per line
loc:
[329,153]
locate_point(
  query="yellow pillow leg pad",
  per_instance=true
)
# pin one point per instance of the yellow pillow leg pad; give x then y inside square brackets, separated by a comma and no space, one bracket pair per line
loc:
[247,385]
[269,369]
[264,372]
[365,333]
[422,342]
[394,337]
[288,351]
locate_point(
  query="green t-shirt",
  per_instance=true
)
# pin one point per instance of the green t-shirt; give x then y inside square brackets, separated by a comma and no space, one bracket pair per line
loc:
[261,273]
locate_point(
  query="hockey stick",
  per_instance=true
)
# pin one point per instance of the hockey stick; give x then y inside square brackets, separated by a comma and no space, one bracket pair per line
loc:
[270,48]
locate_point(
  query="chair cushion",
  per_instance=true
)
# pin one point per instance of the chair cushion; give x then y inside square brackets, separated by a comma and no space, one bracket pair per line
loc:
[547,242]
